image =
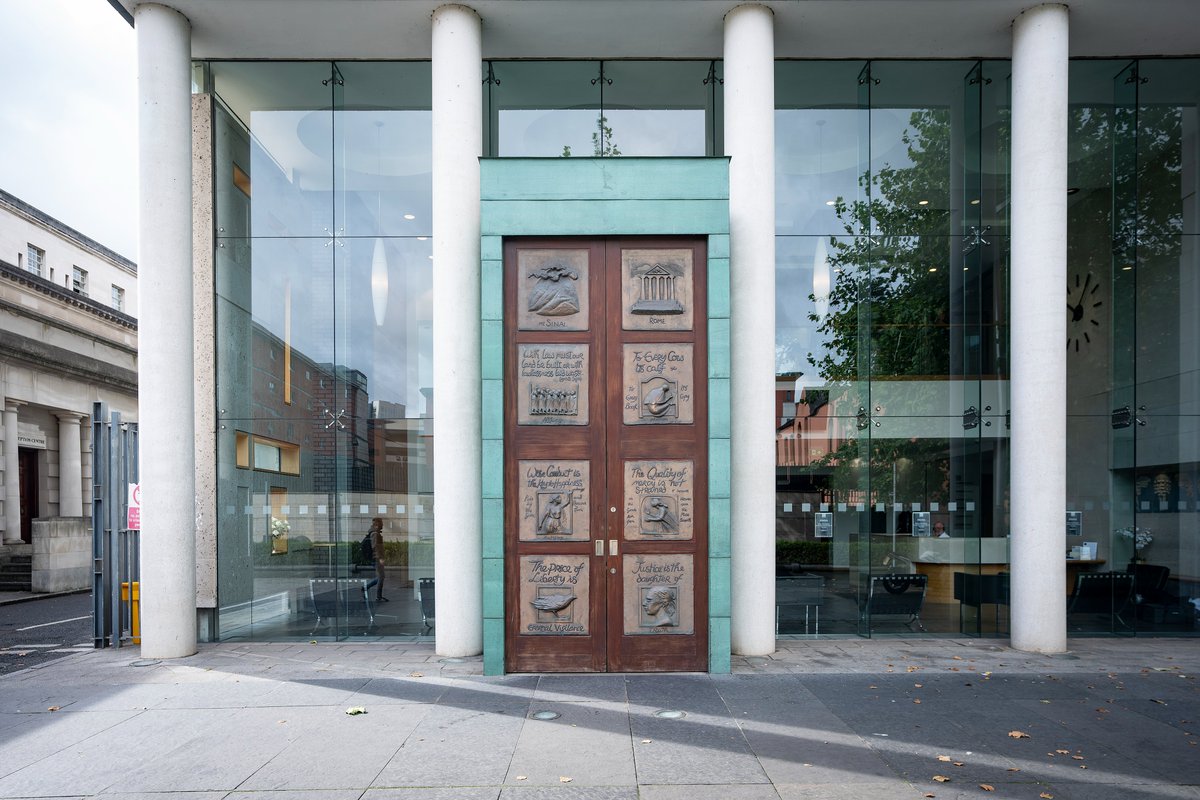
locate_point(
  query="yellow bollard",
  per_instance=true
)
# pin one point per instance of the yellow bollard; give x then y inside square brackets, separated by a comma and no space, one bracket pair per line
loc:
[135,626]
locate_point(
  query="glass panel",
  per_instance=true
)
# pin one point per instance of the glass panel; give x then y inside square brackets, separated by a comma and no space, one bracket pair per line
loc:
[546,108]
[655,108]
[286,162]
[324,361]
[384,154]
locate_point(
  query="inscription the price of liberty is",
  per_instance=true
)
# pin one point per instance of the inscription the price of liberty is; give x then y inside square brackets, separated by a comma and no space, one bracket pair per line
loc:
[554,595]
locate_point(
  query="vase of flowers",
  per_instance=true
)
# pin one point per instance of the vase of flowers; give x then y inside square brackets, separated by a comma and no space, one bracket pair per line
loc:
[1140,537]
[279,535]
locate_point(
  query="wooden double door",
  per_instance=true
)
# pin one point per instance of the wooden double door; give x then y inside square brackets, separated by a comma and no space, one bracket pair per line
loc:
[606,455]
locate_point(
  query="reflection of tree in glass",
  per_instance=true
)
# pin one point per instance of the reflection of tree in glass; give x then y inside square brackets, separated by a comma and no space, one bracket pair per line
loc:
[888,302]
[602,143]
[888,311]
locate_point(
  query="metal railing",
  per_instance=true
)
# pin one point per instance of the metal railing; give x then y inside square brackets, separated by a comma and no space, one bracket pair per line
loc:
[115,555]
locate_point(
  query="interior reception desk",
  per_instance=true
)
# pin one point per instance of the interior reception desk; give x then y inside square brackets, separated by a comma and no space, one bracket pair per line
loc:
[940,559]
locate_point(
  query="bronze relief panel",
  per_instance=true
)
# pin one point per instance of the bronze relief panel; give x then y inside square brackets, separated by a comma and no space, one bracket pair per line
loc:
[554,501]
[658,594]
[552,290]
[554,595]
[552,384]
[658,500]
[656,290]
[658,384]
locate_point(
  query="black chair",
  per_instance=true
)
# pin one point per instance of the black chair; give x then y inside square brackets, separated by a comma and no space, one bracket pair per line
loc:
[975,590]
[425,592]
[896,593]
[1108,593]
[331,595]
[807,591]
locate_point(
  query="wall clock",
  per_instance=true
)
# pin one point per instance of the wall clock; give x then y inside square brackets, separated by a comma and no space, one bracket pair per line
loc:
[1083,310]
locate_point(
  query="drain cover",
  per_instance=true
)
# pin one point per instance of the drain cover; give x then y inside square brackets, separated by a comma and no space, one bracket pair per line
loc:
[545,715]
[145,663]
[668,713]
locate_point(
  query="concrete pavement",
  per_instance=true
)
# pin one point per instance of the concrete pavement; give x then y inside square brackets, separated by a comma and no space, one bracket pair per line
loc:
[845,718]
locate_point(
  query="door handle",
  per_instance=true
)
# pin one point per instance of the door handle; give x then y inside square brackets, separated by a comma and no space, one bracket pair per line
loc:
[599,547]
[612,547]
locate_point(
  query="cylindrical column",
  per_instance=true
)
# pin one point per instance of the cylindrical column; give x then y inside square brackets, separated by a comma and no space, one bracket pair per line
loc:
[12,485]
[165,386]
[70,467]
[457,455]
[750,143]
[1039,368]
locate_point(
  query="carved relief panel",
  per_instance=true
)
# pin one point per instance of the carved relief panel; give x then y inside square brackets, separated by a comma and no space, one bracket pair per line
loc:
[554,595]
[554,501]
[658,384]
[552,290]
[656,290]
[552,384]
[658,500]
[658,594]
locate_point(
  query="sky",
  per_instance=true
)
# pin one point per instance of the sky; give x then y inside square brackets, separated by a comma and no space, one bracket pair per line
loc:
[68,115]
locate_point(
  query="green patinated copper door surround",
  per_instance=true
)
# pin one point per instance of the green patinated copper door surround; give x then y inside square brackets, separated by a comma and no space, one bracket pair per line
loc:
[610,197]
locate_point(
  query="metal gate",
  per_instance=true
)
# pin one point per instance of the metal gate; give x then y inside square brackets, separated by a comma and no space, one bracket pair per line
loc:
[115,557]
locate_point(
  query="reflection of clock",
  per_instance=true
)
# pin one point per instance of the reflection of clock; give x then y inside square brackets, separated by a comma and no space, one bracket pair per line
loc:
[1083,310]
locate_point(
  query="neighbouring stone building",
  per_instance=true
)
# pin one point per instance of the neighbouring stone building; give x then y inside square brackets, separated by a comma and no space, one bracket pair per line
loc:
[68,339]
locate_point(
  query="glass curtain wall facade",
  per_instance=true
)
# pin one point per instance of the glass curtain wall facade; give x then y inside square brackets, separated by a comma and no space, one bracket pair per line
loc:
[892,512]
[1133,367]
[323,311]
[891,345]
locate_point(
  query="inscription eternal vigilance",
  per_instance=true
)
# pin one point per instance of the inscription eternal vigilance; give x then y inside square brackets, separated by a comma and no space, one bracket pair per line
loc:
[552,384]
[658,499]
[553,501]
[554,595]
[658,384]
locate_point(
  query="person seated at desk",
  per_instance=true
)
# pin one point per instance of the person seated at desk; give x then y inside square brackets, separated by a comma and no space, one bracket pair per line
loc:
[939,531]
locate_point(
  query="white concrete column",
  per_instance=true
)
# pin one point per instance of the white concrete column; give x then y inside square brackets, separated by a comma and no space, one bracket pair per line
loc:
[12,472]
[70,467]
[1039,367]
[166,408]
[750,143]
[457,454]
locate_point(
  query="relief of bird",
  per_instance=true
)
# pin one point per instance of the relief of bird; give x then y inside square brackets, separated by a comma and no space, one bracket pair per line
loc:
[553,603]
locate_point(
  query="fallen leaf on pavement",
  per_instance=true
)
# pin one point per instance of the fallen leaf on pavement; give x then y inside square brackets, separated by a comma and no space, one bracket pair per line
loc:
[1046,796]
[646,741]
[958,763]
[943,758]
[1019,735]
[1063,752]
[987,787]
[522,777]
[564,779]
[1077,758]
[415,675]
[917,700]
[941,778]
[355,710]
[1014,769]
[54,708]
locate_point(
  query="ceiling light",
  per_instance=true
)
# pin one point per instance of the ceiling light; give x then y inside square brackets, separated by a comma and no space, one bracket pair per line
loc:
[409,216]
[933,269]
[422,238]
[922,202]
[975,202]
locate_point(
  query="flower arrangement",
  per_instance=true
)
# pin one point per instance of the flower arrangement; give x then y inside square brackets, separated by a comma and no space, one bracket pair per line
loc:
[1142,537]
[279,527]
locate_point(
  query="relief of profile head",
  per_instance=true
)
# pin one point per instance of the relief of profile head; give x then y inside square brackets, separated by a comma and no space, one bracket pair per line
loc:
[659,604]
[554,294]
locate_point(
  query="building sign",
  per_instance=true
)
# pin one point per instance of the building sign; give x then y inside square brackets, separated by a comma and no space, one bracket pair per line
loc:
[133,518]
[31,436]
